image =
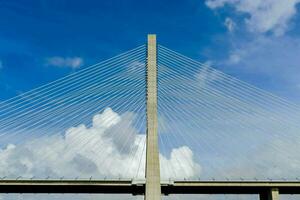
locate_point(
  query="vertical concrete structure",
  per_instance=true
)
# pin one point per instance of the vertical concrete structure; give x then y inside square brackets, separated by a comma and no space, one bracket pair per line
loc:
[272,194]
[153,189]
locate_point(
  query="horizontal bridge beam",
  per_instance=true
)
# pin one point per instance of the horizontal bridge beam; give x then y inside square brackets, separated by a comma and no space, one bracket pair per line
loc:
[231,187]
[138,188]
[71,186]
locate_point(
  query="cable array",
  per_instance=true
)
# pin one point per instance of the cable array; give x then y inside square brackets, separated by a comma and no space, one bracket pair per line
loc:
[89,124]
[232,130]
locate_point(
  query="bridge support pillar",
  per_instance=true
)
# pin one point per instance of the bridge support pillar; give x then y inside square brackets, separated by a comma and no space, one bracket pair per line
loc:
[153,188]
[272,194]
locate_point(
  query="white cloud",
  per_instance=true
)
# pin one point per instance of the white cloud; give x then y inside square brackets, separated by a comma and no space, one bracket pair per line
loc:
[99,151]
[180,165]
[267,56]
[209,63]
[230,24]
[72,62]
[275,58]
[235,58]
[264,15]
[214,4]
[207,75]
[273,162]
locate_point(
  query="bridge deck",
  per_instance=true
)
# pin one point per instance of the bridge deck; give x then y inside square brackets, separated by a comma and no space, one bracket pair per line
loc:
[70,186]
[231,187]
[136,188]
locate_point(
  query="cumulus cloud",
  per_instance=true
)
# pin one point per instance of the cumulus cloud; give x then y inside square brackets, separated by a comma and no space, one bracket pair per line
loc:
[235,57]
[275,164]
[268,56]
[273,58]
[230,24]
[207,75]
[209,63]
[264,15]
[98,151]
[57,61]
[180,164]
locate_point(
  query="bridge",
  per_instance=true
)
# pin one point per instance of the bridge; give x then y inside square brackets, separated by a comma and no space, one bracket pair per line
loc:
[220,104]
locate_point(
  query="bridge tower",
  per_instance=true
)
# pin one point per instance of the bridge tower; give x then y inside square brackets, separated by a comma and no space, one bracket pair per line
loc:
[153,189]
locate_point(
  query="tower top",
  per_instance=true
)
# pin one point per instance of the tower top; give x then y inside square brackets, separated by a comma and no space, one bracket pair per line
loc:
[152,35]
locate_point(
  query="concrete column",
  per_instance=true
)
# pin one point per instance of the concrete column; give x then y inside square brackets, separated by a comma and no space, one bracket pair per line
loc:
[271,194]
[153,189]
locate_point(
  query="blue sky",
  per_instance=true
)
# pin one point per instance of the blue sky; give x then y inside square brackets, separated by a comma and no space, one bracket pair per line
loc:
[255,41]
[43,40]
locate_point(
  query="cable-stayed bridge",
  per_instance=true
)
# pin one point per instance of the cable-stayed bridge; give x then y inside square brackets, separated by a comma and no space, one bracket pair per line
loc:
[149,121]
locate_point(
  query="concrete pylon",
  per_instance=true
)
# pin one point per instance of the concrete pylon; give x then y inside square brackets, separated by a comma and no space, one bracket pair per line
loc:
[271,194]
[153,189]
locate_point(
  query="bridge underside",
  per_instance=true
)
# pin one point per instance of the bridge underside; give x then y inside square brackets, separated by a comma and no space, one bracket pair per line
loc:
[138,188]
